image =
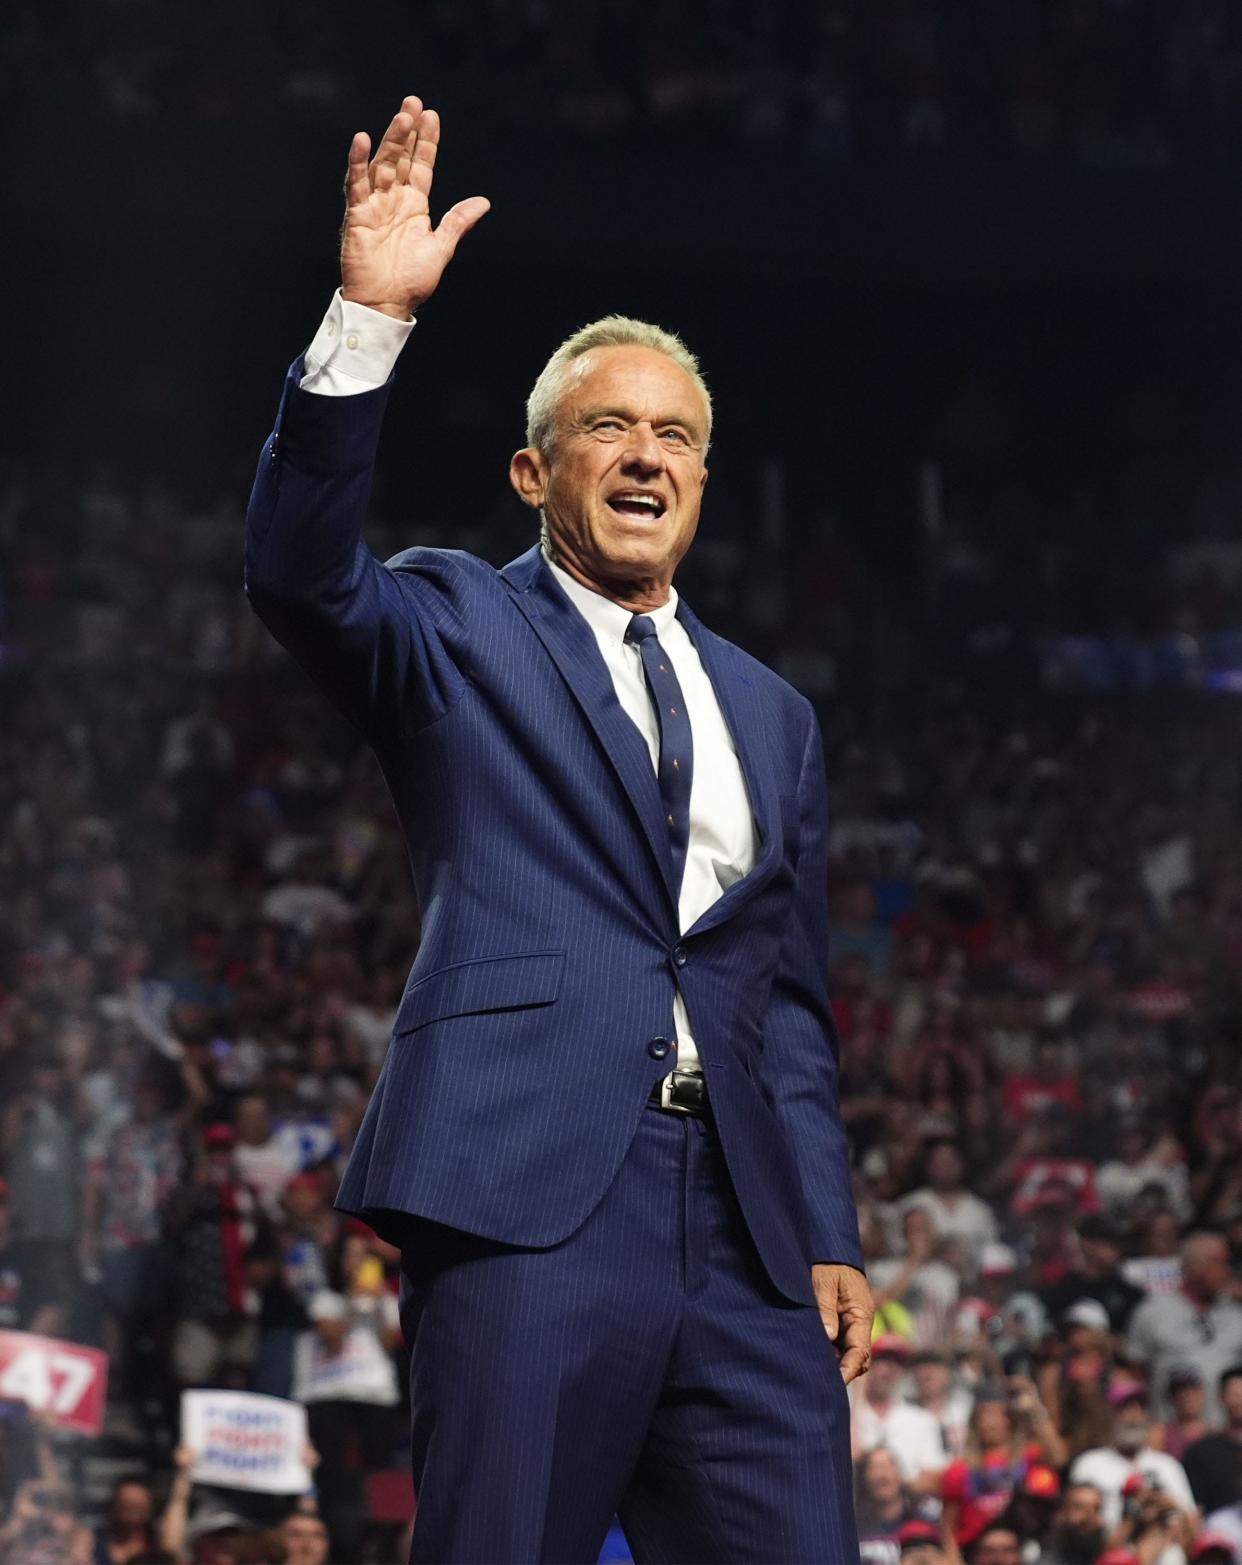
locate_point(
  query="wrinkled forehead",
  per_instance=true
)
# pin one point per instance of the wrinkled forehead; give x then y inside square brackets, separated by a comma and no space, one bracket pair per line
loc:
[638,379]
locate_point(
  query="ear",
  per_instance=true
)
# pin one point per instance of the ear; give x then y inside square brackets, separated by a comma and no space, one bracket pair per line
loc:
[528,473]
[702,480]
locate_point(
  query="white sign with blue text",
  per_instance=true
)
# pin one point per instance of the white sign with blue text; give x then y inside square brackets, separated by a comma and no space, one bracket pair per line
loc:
[241,1440]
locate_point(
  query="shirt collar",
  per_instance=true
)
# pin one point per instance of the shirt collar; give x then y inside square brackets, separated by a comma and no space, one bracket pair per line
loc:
[605,617]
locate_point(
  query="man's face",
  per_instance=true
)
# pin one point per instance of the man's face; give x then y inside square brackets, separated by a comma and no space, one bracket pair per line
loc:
[132,1506]
[944,1168]
[251,1121]
[918,1229]
[623,483]
[886,1371]
[883,1476]
[217,1548]
[1001,1547]
[1101,1255]
[305,1539]
[1080,1510]
[1189,1401]
[1130,1426]
[932,1379]
[1231,1400]
[1207,1271]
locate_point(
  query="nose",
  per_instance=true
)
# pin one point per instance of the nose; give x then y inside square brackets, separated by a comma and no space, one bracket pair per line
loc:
[643,452]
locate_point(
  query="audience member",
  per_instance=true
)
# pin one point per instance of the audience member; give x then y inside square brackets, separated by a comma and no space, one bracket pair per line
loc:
[938,1390]
[883,1506]
[1078,1534]
[1188,1424]
[1096,1274]
[955,1212]
[1128,1456]
[1001,1449]
[212,1222]
[1213,1462]
[1199,1324]
[129,1529]
[883,1418]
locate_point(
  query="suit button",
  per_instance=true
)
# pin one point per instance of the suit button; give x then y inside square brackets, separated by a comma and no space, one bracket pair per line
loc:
[658,1048]
[680,956]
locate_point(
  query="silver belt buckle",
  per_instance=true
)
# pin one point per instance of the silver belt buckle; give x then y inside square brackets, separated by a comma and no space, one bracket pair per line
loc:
[666,1094]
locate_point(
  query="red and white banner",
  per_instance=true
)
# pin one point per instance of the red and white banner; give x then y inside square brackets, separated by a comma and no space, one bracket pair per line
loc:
[62,1379]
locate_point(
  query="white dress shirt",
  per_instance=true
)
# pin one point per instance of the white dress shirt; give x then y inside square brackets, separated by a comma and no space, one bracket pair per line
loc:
[721,845]
[355,350]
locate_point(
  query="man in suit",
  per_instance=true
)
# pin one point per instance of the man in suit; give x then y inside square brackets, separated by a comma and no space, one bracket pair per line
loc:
[606,1135]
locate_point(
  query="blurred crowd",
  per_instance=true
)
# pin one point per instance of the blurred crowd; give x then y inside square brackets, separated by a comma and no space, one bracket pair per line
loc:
[1036,936]
[1137,83]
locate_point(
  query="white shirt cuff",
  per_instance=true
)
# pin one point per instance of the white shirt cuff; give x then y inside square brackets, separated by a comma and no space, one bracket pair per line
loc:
[354,349]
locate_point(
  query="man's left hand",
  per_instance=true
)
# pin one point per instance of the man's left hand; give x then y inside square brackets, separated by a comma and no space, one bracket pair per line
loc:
[847,1310]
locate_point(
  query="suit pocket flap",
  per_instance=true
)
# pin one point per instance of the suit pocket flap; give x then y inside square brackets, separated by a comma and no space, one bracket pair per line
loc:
[490,983]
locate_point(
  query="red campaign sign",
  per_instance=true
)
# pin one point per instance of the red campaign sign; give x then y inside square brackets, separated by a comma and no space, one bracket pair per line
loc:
[62,1379]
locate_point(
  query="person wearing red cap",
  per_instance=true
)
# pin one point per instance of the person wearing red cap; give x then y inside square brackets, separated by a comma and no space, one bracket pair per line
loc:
[1002,1447]
[920,1543]
[1213,1548]
[212,1222]
[1152,1524]
[1033,1509]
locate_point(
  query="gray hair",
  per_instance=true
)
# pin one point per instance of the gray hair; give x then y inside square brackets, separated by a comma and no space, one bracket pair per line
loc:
[612,331]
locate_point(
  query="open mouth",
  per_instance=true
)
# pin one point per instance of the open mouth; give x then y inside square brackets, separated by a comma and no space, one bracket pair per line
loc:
[637,503]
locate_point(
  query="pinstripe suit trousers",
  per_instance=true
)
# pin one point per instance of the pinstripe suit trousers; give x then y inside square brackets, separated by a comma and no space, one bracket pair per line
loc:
[646,1365]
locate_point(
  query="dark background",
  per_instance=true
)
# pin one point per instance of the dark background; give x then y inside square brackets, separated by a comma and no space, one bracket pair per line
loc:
[963,277]
[1052,319]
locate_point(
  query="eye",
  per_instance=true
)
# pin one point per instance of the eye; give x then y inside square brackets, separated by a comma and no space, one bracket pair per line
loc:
[607,426]
[677,437]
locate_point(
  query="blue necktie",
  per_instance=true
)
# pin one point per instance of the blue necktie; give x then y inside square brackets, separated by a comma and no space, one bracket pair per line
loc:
[676,765]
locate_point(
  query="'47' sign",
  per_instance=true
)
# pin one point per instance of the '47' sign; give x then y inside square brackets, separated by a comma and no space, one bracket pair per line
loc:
[62,1379]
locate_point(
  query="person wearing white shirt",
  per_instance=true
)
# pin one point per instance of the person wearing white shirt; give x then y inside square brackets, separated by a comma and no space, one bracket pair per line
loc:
[883,1418]
[955,1211]
[1109,1467]
[606,1138]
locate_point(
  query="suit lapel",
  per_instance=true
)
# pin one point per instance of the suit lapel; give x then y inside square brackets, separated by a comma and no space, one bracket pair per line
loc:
[739,701]
[571,645]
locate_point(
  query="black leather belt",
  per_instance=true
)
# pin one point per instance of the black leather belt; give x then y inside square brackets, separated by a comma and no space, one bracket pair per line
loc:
[682,1092]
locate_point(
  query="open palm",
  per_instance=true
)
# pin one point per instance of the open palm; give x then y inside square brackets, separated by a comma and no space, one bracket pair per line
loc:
[392,259]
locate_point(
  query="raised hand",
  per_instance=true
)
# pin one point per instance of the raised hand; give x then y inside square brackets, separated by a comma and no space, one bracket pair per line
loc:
[392,259]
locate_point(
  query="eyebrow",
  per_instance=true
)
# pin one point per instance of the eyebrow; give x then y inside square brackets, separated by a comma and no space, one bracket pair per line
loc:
[589,415]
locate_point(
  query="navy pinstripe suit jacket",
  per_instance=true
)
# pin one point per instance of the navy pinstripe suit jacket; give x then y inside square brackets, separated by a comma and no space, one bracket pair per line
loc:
[519,1064]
